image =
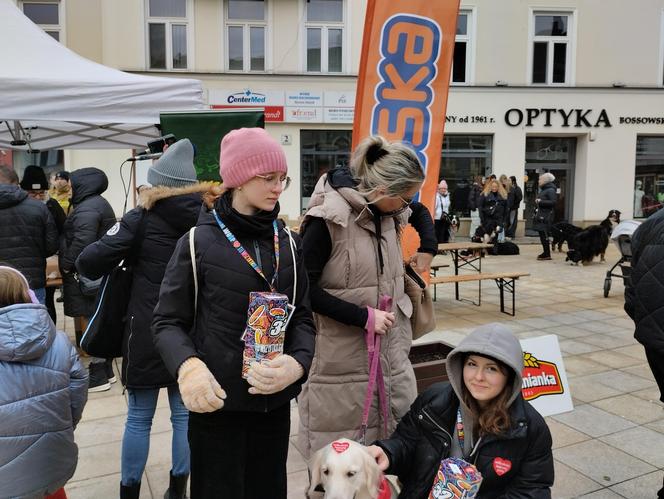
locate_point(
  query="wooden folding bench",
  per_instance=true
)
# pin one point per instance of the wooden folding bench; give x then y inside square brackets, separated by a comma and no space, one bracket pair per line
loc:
[504,281]
[434,271]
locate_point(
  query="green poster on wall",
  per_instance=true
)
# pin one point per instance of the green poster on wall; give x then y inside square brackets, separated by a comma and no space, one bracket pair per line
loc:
[205,129]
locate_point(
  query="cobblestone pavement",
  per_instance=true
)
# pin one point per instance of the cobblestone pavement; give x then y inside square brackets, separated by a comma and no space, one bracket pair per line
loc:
[610,446]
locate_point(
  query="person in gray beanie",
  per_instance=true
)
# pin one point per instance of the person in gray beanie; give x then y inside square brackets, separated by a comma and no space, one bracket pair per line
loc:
[147,236]
[175,168]
[481,417]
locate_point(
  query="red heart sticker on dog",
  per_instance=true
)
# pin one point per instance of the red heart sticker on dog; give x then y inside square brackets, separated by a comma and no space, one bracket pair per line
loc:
[340,447]
[501,466]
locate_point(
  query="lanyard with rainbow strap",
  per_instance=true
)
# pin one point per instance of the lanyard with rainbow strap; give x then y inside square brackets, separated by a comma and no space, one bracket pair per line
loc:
[245,254]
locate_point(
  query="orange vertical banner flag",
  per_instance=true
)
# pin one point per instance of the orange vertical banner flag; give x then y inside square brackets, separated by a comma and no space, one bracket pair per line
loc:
[404,81]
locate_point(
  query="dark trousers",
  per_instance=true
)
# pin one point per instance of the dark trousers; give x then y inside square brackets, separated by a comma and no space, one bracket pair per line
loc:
[544,239]
[442,230]
[239,455]
[512,223]
[50,304]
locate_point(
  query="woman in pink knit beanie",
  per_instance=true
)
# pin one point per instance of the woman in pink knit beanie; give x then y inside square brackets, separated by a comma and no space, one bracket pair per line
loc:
[238,428]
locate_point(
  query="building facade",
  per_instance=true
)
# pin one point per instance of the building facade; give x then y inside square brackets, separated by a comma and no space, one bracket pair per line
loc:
[574,87]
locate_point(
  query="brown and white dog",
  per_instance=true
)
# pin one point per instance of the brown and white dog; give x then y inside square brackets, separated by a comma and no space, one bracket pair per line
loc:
[345,470]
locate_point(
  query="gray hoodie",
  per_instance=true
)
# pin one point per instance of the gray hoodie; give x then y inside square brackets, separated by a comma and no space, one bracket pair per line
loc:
[490,340]
[43,389]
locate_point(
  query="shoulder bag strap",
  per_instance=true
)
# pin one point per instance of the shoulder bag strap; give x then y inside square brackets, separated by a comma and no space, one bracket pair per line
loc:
[291,242]
[192,253]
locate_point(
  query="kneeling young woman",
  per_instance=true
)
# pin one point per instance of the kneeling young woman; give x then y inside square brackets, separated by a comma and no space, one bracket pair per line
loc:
[479,416]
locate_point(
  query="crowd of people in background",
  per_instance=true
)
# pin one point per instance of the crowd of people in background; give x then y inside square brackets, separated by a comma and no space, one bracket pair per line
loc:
[197,252]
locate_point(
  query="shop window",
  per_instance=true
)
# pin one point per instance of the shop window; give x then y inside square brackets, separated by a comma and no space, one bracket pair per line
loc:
[551,48]
[167,34]
[464,158]
[324,37]
[320,151]
[462,60]
[46,15]
[246,27]
[649,176]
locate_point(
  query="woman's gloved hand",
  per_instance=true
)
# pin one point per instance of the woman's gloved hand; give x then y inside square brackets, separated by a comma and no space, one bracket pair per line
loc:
[199,389]
[272,376]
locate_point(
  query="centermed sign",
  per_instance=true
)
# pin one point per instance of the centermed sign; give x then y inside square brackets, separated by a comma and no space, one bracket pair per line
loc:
[545,383]
[403,83]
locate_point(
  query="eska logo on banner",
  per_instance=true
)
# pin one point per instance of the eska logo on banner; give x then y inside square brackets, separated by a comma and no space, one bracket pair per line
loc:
[404,77]
[410,46]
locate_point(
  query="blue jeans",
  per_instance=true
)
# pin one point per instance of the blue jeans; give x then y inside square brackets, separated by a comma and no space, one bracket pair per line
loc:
[136,440]
[40,293]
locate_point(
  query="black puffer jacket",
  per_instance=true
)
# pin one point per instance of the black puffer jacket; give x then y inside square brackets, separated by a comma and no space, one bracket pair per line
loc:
[28,234]
[516,463]
[644,290]
[424,437]
[147,237]
[547,203]
[225,281]
[493,210]
[90,218]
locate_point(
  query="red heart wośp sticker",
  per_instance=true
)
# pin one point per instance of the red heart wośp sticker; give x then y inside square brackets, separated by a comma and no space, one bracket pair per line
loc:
[340,447]
[501,466]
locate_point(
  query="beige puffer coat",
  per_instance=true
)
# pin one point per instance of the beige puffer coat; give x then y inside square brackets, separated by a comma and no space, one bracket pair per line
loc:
[332,400]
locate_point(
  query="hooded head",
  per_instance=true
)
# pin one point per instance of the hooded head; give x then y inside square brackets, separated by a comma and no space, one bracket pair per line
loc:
[493,341]
[87,182]
[175,168]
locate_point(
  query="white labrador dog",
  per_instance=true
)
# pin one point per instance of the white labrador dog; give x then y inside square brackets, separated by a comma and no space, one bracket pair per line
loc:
[345,470]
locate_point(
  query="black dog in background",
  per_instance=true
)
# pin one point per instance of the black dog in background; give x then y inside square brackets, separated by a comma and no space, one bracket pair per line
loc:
[593,240]
[489,234]
[563,232]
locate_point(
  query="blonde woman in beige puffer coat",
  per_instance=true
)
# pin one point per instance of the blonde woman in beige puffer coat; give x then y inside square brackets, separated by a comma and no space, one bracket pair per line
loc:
[352,250]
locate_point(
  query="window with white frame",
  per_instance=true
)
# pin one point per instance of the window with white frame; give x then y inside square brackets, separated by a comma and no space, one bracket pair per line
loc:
[324,35]
[461,63]
[246,26]
[46,15]
[168,24]
[551,48]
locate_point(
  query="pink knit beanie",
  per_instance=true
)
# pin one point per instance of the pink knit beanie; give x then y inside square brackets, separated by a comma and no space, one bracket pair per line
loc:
[248,152]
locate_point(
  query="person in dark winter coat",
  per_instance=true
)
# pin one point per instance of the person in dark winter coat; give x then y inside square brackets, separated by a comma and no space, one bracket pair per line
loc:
[479,416]
[147,237]
[43,390]
[514,208]
[28,234]
[493,206]
[236,425]
[644,295]
[474,199]
[90,218]
[35,184]
[543,216]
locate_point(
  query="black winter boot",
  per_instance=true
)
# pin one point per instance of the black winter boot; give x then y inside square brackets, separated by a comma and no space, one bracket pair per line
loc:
[177,488]
[130,491]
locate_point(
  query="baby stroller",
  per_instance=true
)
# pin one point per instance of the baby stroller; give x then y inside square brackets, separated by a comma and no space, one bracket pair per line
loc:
[622,237]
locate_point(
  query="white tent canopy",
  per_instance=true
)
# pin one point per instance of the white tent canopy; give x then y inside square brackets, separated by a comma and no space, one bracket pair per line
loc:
[52,98]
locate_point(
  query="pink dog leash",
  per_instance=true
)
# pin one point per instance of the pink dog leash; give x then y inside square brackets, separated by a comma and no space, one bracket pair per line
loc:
[375,371]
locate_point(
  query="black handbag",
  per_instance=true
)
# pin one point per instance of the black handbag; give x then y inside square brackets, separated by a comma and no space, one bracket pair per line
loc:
[103,336]
[89,287]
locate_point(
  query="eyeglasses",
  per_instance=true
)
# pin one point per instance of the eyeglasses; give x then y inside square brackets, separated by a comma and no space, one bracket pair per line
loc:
[406,202]
[274,180]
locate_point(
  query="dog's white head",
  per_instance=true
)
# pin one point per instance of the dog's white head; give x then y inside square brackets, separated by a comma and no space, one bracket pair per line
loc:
[346,471]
